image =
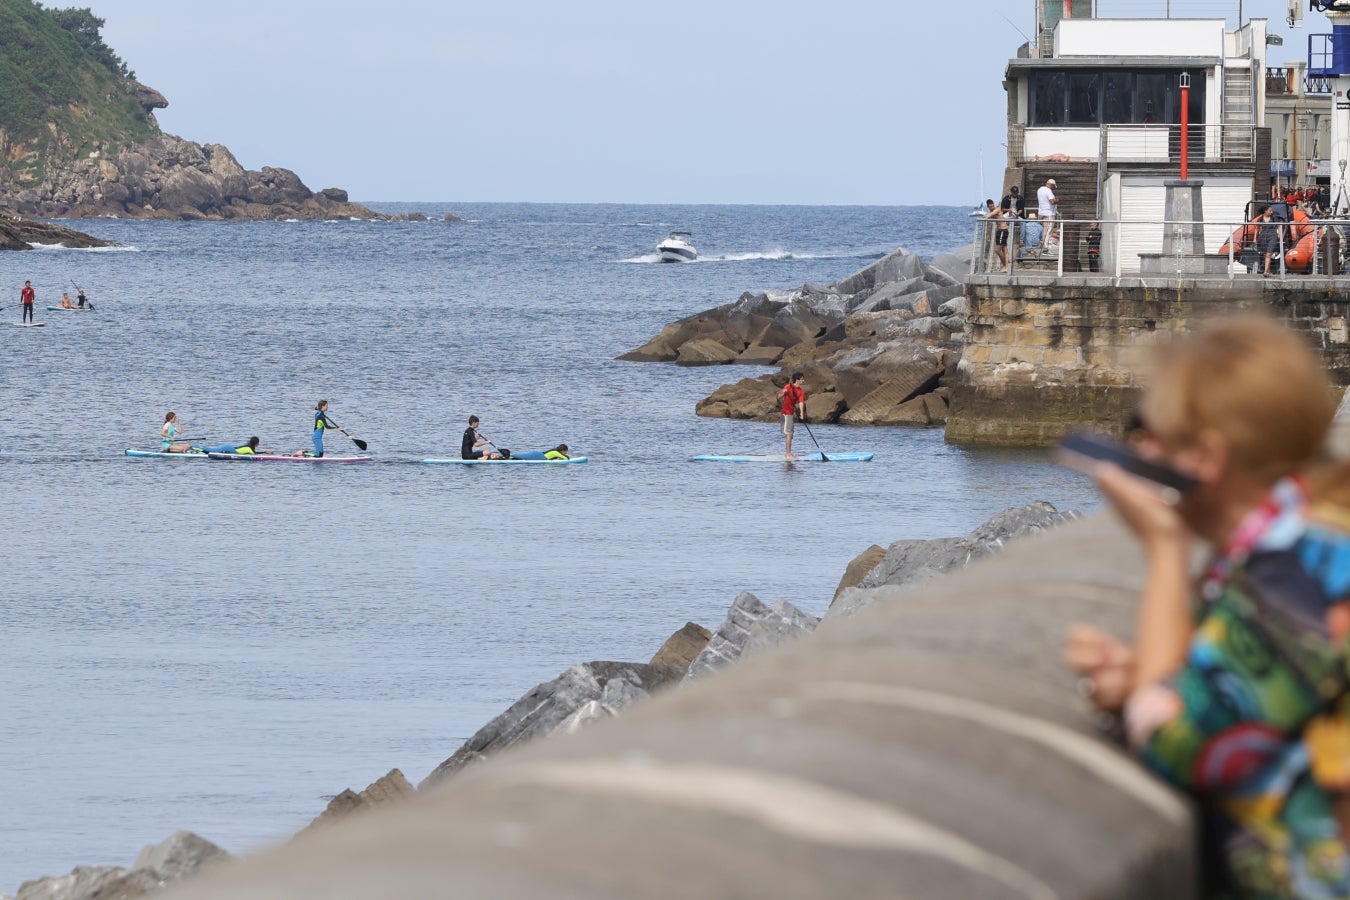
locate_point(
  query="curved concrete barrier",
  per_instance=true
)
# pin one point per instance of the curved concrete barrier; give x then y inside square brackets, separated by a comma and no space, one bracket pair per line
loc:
[931,747]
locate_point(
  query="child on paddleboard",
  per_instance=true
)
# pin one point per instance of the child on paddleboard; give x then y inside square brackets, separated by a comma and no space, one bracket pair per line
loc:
[321,424]
[168,435]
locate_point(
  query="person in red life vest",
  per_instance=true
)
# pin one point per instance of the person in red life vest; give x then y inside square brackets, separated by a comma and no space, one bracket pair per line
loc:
[793,399]
[26,297]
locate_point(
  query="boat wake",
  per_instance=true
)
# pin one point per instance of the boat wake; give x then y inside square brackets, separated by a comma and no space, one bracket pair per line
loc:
[760,256]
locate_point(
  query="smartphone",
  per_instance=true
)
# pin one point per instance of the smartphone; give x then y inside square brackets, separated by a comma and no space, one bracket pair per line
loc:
[1080,449]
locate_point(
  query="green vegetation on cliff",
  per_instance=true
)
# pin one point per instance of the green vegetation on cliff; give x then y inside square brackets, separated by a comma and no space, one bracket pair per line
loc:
[63,91]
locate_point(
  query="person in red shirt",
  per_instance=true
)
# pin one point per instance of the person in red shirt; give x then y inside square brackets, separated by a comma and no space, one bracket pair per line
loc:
[26,297]
[793,399]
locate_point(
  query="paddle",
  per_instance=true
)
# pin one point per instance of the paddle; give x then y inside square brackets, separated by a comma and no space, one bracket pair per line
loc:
[823,457]
[360,444]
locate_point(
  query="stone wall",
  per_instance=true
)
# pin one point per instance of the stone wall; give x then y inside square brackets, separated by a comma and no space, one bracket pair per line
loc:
[1044,356]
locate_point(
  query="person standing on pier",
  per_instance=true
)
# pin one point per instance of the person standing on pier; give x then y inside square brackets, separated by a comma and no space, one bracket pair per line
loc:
[1047,208]
[1094,246]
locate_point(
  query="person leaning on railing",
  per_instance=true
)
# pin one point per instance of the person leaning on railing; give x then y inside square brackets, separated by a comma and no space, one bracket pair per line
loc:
[1235,687]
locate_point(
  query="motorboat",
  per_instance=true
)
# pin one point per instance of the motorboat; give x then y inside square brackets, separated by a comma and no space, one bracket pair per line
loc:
[677,248]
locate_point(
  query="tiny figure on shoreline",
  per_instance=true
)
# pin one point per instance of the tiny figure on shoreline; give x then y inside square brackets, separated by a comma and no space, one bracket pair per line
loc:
[27,296]
[793,400]
[169,433]
[475,446]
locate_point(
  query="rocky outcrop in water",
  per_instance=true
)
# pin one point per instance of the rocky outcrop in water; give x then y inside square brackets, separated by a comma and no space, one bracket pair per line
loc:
[18,233]
[874,347]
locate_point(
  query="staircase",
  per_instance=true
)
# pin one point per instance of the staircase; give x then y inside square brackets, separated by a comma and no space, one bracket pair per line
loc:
[1238,109]
[1076,190]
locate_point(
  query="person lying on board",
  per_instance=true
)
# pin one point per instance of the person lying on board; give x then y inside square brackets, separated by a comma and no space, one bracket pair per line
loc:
[246,449]
[557,453]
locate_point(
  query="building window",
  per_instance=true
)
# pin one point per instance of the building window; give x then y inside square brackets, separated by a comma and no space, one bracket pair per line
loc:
[1047,98]
[1112,97]
[1085,96]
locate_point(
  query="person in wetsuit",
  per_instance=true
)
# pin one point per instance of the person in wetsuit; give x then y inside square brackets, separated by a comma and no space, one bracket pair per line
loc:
[474,445]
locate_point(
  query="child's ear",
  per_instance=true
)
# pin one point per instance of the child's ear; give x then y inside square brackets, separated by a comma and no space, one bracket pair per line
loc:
[1338,622]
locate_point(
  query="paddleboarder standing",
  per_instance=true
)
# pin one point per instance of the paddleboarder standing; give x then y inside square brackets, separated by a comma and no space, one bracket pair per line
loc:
[26,297]
[321,424]
[793,400]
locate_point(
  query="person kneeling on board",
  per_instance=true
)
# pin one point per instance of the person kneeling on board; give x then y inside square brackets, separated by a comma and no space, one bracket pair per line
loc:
[557,453]
[475,446]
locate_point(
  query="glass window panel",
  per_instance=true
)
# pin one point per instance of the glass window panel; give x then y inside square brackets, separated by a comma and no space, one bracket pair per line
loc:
[1085,98]
[1117,98]
[1047,98]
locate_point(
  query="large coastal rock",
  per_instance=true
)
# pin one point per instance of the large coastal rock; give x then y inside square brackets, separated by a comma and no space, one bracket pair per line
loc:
[870,346]
[751,625]
[390,788]
[915,561]
[18,233]
[182,856]
[168,177]
[609,685]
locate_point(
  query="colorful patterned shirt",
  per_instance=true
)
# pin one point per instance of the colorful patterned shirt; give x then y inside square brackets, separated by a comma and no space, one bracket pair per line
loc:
[1257,723]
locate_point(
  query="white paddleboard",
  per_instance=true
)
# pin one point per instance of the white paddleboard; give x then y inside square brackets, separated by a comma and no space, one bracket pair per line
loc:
[832,456]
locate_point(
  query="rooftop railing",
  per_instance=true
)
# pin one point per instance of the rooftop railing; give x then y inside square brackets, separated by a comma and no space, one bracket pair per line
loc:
[1137,247]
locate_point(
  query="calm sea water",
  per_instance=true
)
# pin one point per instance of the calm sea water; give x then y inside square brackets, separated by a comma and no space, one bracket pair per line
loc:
[222,647]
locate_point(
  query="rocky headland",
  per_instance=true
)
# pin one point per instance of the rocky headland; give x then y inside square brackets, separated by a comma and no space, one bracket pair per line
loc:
[79,138]
[876,347]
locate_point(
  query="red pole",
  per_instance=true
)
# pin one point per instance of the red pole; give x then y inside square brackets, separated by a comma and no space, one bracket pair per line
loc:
[1185,121]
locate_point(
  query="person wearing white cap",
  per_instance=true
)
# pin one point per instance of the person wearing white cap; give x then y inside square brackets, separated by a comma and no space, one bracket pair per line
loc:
[1047,206]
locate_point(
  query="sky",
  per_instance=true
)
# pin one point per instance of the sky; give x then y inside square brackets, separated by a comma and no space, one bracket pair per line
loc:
[885,102]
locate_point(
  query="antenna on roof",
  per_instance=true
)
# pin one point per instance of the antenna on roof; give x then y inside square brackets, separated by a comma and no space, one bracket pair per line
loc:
[1028,39]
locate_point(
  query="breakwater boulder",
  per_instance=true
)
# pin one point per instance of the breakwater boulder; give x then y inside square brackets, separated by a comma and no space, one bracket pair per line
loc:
[582,693]
[874,347]
[182,856]
[916,561]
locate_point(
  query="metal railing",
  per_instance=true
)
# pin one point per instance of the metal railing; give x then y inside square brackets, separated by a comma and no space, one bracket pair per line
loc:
[1162,143]
[1058,247]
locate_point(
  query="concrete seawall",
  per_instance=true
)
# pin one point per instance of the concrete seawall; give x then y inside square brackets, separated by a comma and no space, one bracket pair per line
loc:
[929,746]
[1044,356]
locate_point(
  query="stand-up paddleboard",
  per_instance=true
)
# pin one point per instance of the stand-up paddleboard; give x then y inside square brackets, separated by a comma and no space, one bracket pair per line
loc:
[159,454]
[71,308]
[505,462]
[31,324]
[841,456]
[272,457]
